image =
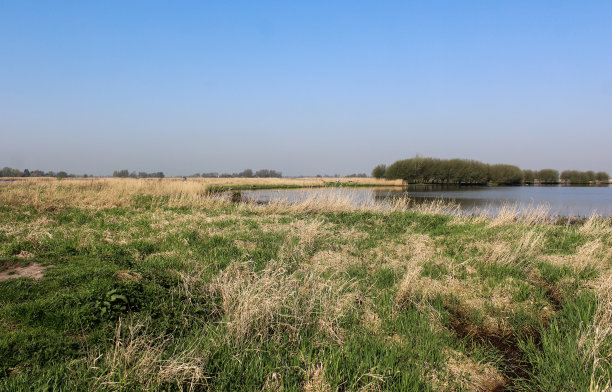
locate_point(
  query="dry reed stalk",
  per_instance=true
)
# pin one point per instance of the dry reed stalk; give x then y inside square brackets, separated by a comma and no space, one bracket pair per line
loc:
[437,207]
[511,213]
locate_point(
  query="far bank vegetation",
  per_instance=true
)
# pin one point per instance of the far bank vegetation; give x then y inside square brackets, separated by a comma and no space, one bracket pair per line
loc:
[423,170]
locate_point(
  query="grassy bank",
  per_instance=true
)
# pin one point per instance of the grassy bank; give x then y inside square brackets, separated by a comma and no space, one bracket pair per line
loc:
[156,285]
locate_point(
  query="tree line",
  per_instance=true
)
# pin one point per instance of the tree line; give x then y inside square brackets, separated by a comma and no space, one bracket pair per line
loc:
[422,170]
[11,172]
[246,173]
[127,174]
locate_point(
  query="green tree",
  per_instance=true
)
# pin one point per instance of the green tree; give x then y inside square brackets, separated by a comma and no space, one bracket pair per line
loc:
[503,174]
[379,171]
[548,176]
[529,176]
[602,176]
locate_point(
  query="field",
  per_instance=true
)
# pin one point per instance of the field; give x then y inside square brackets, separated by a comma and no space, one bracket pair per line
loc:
[120,284]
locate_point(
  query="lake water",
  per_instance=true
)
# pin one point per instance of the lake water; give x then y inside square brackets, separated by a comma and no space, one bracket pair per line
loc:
[560,200]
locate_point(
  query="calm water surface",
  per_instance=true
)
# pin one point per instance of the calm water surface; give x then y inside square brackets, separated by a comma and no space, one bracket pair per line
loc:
[561,200]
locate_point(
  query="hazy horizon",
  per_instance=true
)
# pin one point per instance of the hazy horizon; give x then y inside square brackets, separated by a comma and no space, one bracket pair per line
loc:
[309,88]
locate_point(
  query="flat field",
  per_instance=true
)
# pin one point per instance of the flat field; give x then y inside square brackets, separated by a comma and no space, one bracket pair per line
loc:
[120,284]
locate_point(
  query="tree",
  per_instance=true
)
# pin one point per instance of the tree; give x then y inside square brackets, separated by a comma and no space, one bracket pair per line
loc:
[248,173]
[265,173]
[574,176]
[505,174]
[548,176]
[529,176]
[121,173]
[379,171]
[26,173]
[10,172]
[61,175]
[602,176]
[439,171]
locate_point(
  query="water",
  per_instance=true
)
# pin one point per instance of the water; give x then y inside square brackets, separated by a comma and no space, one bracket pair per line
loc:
[561,200]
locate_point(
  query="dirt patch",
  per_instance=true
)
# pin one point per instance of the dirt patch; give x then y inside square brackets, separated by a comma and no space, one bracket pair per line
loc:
[128,276]
[18,270]
[516,367]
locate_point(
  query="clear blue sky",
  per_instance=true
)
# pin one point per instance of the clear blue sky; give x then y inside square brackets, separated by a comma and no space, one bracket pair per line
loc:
[303,87]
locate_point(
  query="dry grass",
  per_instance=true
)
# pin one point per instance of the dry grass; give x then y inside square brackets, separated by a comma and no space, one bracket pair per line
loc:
[525,246]
[52,194]
[464,291]
[512,213]
[462,297]
[596,226]
[308,286]
[45,193]
[276,304]
[592,254]
[315,380]
[137,361]
[473,376]
[596,340]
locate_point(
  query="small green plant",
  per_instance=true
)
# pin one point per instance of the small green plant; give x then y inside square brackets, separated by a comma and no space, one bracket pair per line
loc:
[113,304]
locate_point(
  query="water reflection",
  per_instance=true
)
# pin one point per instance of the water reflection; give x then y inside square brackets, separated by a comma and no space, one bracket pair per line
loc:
[561,200]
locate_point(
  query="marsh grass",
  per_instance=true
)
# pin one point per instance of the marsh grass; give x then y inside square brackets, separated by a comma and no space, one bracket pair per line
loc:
[161,285]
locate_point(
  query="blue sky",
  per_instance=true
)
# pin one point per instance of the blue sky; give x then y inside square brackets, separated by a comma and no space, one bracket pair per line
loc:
[303,87]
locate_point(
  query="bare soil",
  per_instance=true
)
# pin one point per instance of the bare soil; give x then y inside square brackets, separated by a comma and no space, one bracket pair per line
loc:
[18,270]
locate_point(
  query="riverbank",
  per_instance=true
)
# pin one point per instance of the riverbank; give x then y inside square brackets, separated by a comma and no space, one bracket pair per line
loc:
[198,184]
[157,285]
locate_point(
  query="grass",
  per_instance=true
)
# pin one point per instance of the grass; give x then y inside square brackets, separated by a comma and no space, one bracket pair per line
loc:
[158,285]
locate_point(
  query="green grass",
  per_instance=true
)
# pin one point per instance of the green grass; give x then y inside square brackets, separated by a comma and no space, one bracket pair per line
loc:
[156,269]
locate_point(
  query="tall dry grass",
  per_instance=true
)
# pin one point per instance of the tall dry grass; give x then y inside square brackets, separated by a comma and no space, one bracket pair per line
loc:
[140,361]
[45,193]
[595,340]
[510,213]
[51,194]
[276,304]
